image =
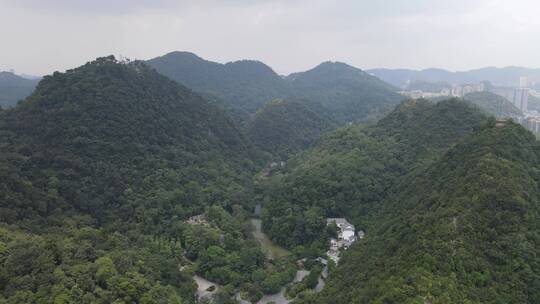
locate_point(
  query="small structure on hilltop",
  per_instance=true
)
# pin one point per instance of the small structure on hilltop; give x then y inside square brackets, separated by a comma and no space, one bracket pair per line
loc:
[198,220]
[501,123]
[345,238]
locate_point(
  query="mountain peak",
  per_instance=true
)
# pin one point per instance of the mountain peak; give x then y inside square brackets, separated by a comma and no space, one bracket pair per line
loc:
[5,75]
[334,67]
[183,54]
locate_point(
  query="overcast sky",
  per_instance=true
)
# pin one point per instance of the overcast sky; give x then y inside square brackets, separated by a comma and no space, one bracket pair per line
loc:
[41,36]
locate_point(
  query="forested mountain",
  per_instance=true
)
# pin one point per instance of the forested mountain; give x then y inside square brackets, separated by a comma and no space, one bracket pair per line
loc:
[285,127]
[464,230]
[245,84]
[118,185]
[14,88]
[100,168]
[346,93]
[449,200]
[507,76]
[107,115]
[354,169]
[494,104]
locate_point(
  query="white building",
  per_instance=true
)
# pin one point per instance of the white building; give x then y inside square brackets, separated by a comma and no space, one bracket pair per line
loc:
[521,98]
[523,82]
[346,236]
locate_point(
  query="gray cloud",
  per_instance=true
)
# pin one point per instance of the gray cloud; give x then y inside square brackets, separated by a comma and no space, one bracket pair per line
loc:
[41,36]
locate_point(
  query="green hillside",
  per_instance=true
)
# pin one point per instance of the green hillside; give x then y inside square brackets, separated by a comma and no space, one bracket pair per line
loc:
[105,118]
[14,88]
[346,93]
[245,85]
[284,127]
[99,170]
[354,168]
[494,105]
[465,230]
[120,185]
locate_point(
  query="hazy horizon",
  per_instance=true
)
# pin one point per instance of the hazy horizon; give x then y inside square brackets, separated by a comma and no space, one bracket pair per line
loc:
[41,37]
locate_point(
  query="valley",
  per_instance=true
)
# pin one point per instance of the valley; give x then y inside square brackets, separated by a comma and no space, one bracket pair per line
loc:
[119,184]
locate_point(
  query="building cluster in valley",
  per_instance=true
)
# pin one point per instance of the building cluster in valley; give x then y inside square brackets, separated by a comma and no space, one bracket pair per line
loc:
[346,236]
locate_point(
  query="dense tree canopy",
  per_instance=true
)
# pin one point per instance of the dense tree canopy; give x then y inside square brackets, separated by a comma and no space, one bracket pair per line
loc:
[353,169]
[346,93]
[118,185]
[100,168]
[285,127]
[465,230]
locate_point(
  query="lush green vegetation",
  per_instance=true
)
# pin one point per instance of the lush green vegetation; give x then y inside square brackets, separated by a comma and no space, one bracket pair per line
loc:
[493,104]
[115,141]
[354,168]
[100,168]
[76,264]
[465,230]
[285,127]
[246,85]
[14,88]
[307,284]
[346,93]
[448,198]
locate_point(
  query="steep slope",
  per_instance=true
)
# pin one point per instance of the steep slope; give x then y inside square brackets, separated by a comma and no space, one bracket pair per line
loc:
[465,230]
[246,84]
[353,169]
[105,118]
[284,127]
[14,88]
[99,169]
[494,104]
[348,93]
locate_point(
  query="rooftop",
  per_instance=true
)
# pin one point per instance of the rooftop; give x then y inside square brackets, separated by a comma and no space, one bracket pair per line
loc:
[341,222]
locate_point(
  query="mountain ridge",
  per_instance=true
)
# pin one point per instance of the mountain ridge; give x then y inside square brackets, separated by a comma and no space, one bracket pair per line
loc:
[505,76]
[447,234]
[14,88]
[349,93]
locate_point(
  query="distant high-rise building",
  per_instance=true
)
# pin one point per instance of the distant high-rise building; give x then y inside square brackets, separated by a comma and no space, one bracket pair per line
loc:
[480,87]
[521,98]
[523,82]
